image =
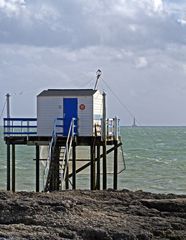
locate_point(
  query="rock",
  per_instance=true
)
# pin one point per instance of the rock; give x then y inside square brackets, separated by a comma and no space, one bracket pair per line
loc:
[92,215]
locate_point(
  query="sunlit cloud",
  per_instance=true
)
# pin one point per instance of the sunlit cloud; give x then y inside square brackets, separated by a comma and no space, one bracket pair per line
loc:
[12,7]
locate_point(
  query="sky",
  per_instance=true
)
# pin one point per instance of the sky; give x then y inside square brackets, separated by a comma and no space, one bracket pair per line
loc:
[140,47]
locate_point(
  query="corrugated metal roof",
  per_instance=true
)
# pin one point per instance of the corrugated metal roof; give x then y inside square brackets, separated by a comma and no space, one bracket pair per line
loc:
[67,92]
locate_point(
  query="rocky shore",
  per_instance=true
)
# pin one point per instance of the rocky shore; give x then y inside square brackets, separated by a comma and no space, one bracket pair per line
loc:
[92,215]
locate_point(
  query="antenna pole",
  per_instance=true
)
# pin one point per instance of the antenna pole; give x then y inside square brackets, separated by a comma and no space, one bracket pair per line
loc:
[96,84]
[104,118]
[8,110]
[8,105]
[98,74]
[8,143]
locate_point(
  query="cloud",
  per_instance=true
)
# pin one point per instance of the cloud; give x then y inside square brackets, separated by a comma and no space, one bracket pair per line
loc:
[138,45]
[141,62]
[158,5]
[182,21]
[12,7]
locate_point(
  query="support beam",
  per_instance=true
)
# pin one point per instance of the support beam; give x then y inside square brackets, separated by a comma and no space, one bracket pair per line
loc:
[88,164]
[115,178]
[67,179]
[103,125]
[8,166]
[37,168]
[67,173]
[13,167]
[98,168]
[92,167]
[74,165]
[104,167]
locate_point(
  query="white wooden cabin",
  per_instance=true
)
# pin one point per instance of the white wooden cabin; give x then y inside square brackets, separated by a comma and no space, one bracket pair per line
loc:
[86,105]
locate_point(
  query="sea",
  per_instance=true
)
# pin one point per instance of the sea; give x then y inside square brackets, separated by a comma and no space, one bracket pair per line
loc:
[154,161]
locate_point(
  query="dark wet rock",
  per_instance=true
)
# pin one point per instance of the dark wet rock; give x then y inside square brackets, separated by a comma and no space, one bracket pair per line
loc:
[92,215]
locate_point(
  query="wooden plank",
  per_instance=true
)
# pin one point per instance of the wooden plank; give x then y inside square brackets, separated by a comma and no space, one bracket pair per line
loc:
[21,119]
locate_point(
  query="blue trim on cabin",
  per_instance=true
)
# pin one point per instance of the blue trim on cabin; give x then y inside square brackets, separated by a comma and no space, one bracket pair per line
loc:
[28,126]
[20,133]
[21,119]
[70,110]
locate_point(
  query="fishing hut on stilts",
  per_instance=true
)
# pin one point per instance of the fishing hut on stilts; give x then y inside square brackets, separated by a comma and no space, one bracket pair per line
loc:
[67,119]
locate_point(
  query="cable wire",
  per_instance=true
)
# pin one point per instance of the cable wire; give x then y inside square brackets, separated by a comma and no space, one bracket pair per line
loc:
[122,104]
[2,112]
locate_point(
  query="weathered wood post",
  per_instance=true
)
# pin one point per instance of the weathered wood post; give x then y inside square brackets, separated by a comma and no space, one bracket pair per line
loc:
[116,134]
[67,169]
[104,167]
[37,168]
[8,110]
[8,166]
[115,180]
[98,167]
[8,143]
[74,165]
[92,166]
[13,167]
[104,143]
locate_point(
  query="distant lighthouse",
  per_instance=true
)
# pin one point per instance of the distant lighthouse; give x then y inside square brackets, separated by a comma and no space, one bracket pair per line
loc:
[134,122]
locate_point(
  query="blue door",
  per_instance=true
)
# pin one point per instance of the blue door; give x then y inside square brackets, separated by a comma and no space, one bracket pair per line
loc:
[69,112]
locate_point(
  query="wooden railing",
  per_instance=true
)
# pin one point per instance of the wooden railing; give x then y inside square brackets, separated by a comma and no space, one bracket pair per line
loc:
[20,126]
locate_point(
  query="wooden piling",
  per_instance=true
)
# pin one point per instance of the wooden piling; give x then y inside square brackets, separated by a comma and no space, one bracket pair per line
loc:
[55,175]
[97,180]
[104,143]
[8,166]
[115,178]
[37,168]
[104,167]
[98,168]
[92,166]
[67,174]
[74,165]
[13,167]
